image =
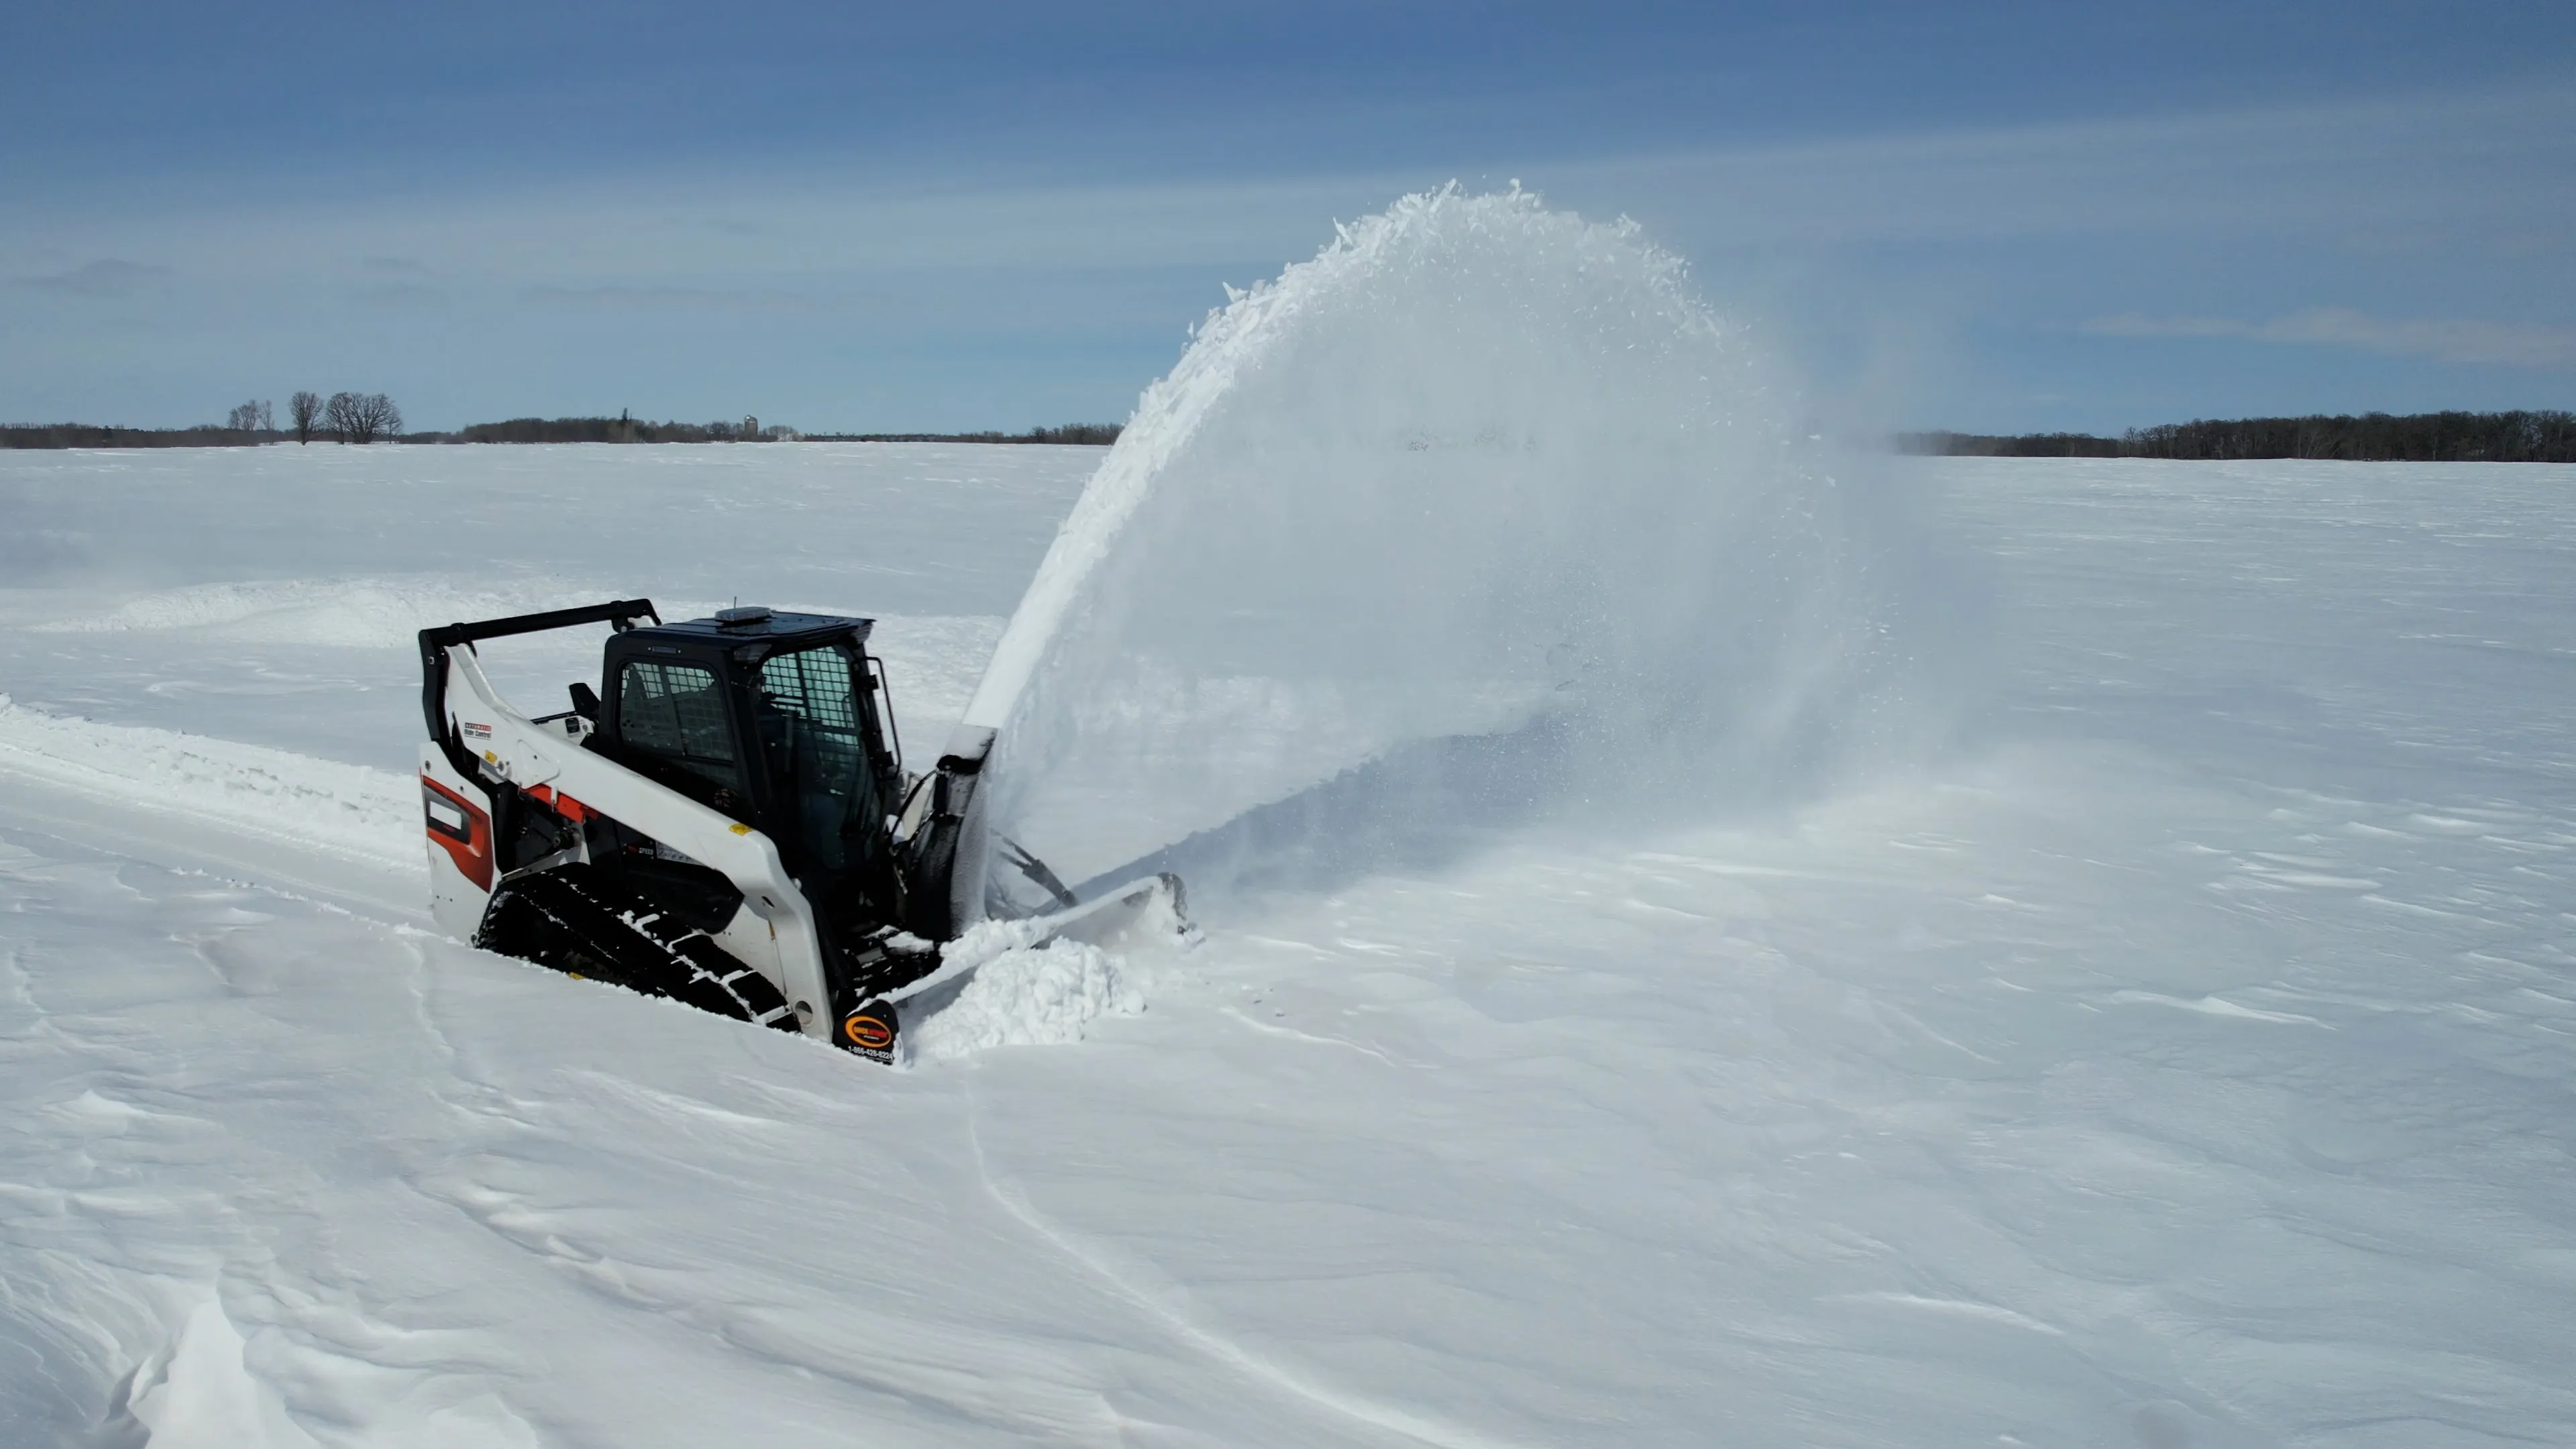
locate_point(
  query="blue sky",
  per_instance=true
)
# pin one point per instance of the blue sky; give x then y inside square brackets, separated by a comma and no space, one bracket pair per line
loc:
[1997,217]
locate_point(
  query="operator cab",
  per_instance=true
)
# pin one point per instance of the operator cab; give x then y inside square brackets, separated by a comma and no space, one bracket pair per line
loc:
[778,720]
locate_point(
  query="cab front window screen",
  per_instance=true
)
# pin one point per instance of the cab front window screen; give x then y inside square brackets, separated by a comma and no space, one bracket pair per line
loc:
[810,728]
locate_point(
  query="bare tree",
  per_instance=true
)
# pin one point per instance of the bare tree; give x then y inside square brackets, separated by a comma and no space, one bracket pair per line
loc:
[362,417]
[305,410]
[252,417]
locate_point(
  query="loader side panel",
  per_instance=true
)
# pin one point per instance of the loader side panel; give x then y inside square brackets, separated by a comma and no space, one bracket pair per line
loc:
[457,822]
[754,942]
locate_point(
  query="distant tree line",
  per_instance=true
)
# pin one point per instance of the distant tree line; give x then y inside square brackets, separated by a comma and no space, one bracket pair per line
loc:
[372,417]
[628,429]
[1088,435]
[2511,437]
[350,417]
[2026,445]
[619,429]
[83,435]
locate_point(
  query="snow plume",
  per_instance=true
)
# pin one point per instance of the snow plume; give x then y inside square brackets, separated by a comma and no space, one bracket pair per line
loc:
[1481,503]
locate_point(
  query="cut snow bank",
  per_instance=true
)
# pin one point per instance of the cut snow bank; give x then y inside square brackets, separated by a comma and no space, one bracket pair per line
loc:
[1477,465]
[358,613]
[1021,993]
[321,804]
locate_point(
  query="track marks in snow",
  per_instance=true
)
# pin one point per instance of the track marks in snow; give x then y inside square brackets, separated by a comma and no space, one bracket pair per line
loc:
[2214,1006]
[466,1184]
[618,1174]
[906,1369]
[1958,1308]
[685,1112]
[1293,1034]
[1160,1306]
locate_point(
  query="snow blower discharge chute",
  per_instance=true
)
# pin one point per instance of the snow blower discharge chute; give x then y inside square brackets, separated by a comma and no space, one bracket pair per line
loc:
[729,825]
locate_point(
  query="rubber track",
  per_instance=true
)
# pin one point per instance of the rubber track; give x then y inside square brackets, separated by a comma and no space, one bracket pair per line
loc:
[578,921]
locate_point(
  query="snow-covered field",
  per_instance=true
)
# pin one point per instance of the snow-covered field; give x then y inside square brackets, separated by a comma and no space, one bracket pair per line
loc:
[2183,1059]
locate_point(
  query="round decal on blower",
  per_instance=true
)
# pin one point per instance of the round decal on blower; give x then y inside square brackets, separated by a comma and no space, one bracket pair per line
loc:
[868,1032]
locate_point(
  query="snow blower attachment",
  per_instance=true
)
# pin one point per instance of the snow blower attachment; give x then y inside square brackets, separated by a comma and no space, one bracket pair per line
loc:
[730,825]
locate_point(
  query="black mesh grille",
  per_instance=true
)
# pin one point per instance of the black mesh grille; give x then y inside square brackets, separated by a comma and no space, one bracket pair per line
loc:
[809,726]
[677,711]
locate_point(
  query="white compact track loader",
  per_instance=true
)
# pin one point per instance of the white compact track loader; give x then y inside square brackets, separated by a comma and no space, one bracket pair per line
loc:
[725,821]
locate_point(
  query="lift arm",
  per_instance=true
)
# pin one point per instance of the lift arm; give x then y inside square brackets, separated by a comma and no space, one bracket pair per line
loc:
[619,614]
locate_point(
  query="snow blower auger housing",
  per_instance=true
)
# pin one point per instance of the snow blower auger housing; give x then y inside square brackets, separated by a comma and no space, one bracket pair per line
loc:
[728,824]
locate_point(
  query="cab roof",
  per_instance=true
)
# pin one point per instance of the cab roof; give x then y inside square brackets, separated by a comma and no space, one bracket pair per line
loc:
[755,625]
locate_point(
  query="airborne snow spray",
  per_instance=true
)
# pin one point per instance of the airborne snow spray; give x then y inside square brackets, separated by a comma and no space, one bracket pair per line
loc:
[1477,515]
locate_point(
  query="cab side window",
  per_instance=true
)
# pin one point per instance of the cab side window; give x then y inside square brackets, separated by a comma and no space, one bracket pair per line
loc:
[676,713]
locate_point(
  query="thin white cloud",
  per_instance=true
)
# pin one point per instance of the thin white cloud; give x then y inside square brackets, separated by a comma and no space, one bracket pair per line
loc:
[2139,324]
[402,294]
[2465,340]
[2429,162]
[2432,163]
[107,277]
[656,298]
